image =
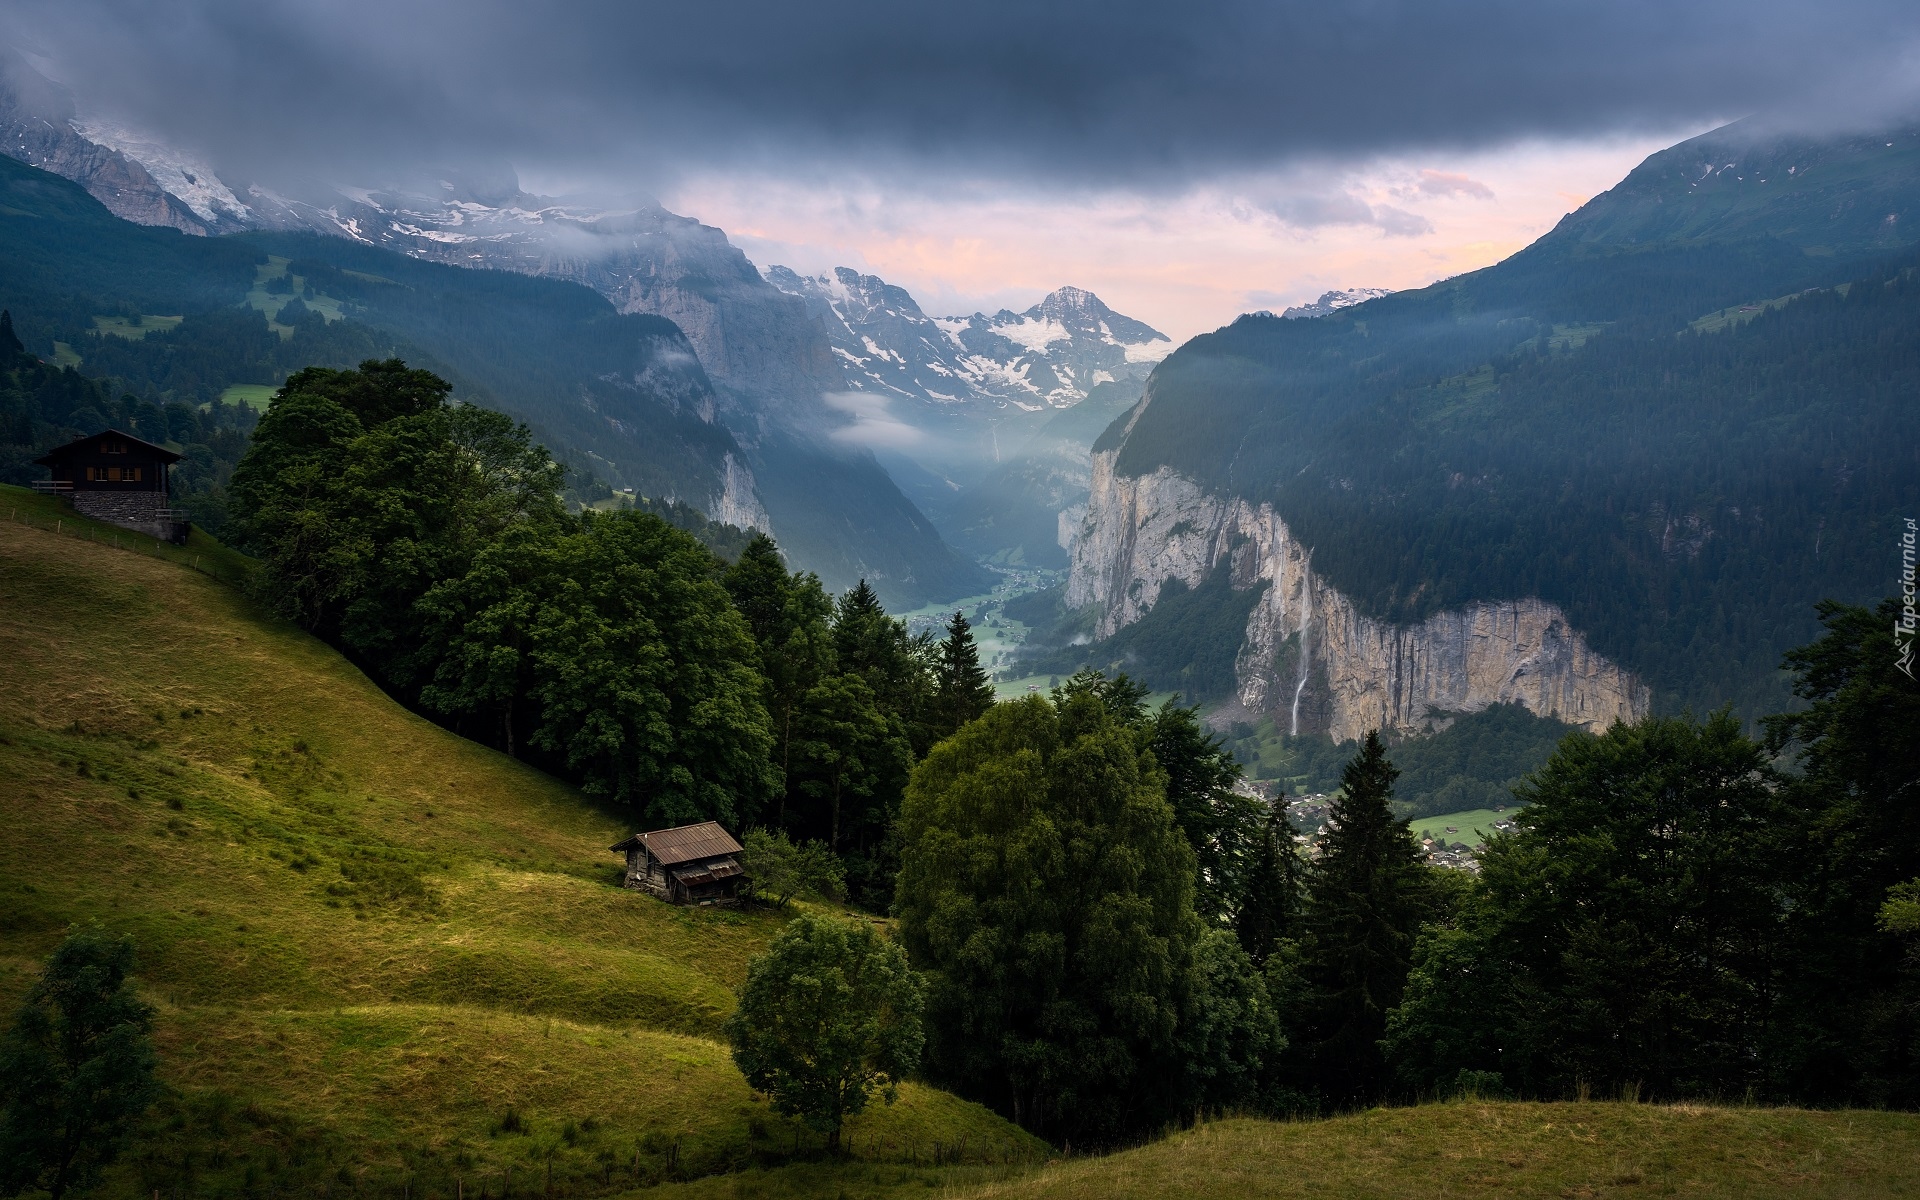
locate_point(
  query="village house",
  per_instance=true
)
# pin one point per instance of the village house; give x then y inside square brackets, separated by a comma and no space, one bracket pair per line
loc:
[693,864]
[120,479]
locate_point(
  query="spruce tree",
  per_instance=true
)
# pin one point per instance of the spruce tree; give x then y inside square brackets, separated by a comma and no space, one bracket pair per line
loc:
[962,691]
[1221,824]
[10,346]
[1270,896]
[788,615]
[1366,897]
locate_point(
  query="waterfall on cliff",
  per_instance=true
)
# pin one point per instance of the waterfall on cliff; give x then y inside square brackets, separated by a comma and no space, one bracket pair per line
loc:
[1306,612]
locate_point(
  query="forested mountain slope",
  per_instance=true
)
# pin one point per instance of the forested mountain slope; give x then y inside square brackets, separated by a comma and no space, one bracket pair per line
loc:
[1614,423]
[621,397]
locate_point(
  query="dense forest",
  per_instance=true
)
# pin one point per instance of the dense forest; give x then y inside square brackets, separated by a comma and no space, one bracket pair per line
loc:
[1186,643]
[1681,911]
[1473,761]
[668,663]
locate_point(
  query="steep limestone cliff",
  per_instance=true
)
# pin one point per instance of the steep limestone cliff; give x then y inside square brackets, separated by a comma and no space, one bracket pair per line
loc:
[1309,657]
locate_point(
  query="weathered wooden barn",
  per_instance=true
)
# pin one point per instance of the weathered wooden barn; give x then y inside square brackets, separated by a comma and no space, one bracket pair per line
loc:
[693,864]
[120,479]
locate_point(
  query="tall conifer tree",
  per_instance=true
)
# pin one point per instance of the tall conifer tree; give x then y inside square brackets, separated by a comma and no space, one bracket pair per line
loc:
[1270,900]
[962,691]
[1366,897]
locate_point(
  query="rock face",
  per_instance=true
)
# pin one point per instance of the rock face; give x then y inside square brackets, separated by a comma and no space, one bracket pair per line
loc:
[36,127]
[1309,658]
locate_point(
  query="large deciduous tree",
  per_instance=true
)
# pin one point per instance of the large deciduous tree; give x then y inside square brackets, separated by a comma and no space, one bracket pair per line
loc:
[829,1015]
[1047,891]
[620,649]
[363,488]
[76,1068]
[1627,935]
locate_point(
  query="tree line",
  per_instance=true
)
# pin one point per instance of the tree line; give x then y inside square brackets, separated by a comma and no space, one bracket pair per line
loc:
[428,540]
[1683,911]
[1111,933]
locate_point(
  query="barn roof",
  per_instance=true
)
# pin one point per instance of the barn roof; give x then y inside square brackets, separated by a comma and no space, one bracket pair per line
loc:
[686,843]
[79,445]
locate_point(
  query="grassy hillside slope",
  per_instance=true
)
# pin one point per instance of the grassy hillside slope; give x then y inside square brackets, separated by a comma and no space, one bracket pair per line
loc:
[1440,1151]
[383,957]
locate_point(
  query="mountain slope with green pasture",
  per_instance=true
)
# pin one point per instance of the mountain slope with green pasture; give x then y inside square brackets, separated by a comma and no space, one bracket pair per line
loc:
[1443,1151]
[381,955]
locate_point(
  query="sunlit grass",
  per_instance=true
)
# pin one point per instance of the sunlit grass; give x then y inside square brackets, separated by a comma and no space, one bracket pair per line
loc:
[1473,1149]
[366,937]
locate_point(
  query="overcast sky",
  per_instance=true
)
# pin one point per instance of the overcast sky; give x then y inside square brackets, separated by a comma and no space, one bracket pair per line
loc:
[1186,160]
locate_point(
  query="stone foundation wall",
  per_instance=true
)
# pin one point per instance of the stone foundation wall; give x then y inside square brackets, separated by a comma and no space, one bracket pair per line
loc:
[140,512]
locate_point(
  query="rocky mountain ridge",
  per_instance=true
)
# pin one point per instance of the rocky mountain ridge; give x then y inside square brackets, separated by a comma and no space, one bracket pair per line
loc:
[1309,658]
[1048,357]
[1334,301]
[38,127]
[770,363]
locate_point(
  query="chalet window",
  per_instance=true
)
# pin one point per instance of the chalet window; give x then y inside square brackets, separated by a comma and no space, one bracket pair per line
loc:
[130,474]
[113,447]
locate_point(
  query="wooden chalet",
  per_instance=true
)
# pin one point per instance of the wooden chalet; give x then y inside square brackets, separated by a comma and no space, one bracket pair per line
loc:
[693,864]
[117,478]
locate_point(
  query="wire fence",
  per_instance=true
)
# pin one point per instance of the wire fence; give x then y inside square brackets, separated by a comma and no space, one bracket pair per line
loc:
[213,565]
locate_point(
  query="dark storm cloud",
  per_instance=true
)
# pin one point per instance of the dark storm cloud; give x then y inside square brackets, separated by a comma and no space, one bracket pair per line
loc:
[1077,91]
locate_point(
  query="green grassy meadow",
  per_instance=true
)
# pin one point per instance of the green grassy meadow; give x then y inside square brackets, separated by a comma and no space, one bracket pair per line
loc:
[133,329]
[271,303]
[254,395]
[382,956]
[387,961]
[1471,827]
[1474,1149]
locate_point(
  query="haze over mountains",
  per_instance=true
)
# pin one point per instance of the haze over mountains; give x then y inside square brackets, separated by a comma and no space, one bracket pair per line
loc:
[972,392]
[875,439]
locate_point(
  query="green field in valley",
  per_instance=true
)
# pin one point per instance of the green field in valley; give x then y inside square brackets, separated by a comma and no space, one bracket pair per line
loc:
[135,328]
[254,395]
[1471,827]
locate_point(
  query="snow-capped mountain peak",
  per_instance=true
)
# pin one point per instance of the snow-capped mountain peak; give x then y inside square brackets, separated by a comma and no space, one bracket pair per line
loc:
[185,176]
[1049,356]
[1335,301]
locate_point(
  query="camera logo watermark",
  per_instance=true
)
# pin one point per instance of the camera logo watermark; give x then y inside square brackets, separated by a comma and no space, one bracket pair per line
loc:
[1903,629]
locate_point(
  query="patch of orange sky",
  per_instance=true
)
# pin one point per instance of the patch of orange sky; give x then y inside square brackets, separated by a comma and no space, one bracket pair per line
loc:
[1185,262]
